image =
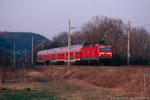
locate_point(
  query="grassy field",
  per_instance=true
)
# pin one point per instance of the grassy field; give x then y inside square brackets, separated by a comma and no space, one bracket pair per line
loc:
[76,83]
[45,91]
[27,95]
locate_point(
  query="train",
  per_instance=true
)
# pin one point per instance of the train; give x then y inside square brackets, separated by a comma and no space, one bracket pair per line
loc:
[99,53]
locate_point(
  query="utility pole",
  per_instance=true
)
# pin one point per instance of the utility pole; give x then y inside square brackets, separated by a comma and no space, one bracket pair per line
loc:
[25,57]
[25,77]
[1,81]
[69,41]
[14,61]
[32,52]
[128,50]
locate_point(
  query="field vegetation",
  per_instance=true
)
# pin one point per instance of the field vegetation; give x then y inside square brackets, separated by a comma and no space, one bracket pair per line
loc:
[27,95]
[77,83]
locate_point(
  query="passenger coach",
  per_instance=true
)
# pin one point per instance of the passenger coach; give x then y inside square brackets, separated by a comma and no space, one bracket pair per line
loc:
[81,53]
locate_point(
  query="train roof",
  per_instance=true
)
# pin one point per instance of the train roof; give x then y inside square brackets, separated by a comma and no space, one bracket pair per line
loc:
[77,47]
[61,49]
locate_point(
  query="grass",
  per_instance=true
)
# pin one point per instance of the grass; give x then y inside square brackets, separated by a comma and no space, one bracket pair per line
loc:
[83,83]
[27,95]
[45,91]
[77,92]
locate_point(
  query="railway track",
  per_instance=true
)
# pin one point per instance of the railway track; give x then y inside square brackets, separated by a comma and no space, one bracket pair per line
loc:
[123,67]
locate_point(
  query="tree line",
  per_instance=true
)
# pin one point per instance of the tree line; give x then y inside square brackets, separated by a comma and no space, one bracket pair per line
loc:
[111,31]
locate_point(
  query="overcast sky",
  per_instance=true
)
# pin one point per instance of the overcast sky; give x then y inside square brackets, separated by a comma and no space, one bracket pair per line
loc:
[50,17]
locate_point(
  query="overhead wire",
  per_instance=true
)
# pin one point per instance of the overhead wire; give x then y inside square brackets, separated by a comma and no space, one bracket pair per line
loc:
[134,17]
[141,20]
[143,25]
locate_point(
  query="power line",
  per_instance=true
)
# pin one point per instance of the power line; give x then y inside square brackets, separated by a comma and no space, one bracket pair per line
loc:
[143,25]
[142,19]
[146,26]
[134,17]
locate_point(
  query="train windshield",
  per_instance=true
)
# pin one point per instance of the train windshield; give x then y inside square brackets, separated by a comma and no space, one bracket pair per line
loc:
[108,47]
[105,48]
[101,47]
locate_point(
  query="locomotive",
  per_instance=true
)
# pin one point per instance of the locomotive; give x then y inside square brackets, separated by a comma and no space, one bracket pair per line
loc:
[80,53]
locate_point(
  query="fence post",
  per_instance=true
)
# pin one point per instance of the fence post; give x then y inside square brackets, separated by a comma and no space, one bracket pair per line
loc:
[144,85]
[54,80]
[1,78]
[25,79]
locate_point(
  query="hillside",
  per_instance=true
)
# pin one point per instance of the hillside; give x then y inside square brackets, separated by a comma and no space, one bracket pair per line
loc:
[22,39]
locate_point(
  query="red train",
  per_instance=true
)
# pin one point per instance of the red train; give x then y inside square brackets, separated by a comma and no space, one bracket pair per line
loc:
[82,53]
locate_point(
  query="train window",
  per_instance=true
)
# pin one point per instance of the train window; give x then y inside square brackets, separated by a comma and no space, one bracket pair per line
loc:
[101,47]
[62,54]
[108,47]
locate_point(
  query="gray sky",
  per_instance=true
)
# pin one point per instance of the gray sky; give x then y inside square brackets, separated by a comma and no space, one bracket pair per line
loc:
[50,17]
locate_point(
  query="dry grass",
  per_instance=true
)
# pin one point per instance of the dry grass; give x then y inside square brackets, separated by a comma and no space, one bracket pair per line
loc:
[35,74]
[100,82]
[127,82]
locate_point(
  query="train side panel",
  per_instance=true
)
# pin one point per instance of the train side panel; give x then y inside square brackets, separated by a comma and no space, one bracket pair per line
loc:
[77,53]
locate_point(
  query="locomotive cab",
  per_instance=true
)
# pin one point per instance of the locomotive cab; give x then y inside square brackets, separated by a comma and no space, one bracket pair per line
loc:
[105,51]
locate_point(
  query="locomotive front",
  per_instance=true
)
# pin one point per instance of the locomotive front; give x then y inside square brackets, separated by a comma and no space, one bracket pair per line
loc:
[105,51]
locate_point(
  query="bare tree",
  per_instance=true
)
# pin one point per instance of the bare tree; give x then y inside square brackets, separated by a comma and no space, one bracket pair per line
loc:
[4,58]
[111,31]
[61,39]
[140,46]
[105,29]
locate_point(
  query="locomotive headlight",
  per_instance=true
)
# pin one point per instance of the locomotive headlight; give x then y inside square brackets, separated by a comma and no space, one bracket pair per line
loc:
[109,53]
[101,53]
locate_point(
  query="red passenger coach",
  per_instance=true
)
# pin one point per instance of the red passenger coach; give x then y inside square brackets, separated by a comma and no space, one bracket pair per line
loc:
[82,53]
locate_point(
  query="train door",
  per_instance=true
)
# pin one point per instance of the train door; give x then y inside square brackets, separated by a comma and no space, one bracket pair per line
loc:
[74,55]
[65,57]
[56,56]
